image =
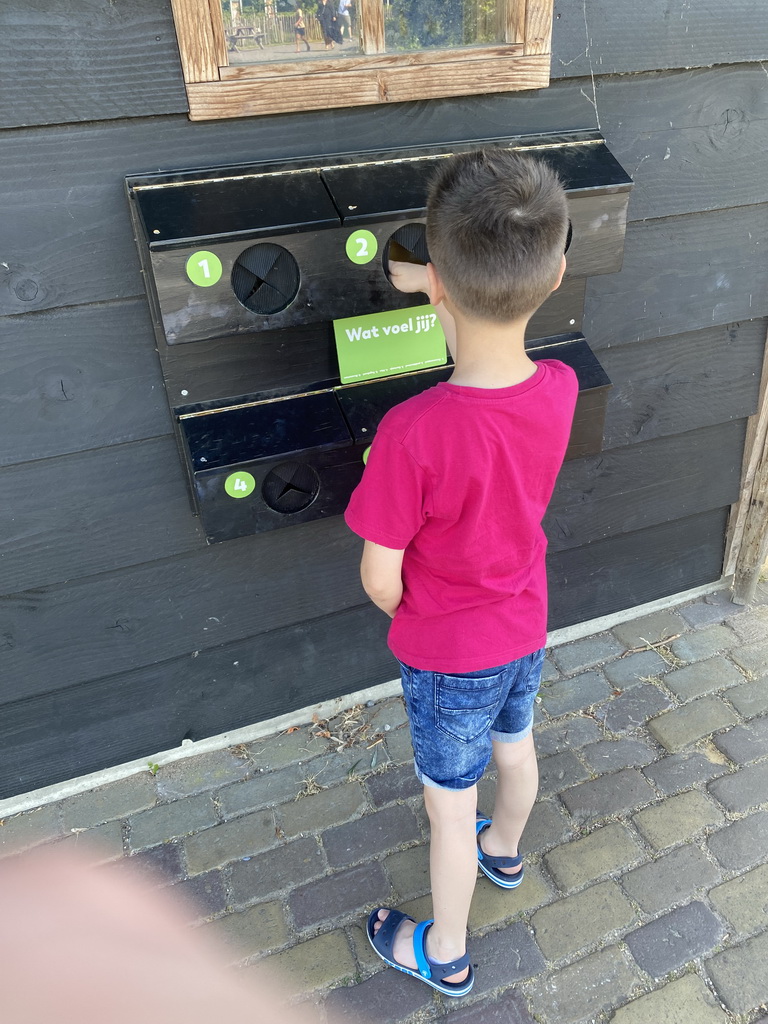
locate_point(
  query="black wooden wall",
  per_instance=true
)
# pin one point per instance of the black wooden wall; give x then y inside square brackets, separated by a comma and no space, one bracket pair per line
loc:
[121,633]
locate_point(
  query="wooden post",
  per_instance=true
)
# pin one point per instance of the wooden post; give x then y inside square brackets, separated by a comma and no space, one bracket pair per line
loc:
[370,14]
[510,16]
[200,31]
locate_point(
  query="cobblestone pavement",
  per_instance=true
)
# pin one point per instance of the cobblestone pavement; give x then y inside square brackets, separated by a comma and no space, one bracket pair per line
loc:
[646,891]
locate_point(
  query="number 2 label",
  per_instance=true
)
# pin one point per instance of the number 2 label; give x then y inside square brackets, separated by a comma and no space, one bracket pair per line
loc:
[362,246]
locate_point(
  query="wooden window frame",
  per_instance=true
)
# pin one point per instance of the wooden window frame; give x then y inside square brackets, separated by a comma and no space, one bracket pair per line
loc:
[217,90]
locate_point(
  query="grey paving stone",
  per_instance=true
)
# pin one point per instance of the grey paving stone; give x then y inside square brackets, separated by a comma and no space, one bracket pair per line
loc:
[560,771]
[739,975]
[703,677]
[608,755]
[702,614]
[399,783]
[409,871]
[576,922]
[749,699]
[753,658]
[574,694]
[633,669]
[742,844]
[399,746]
[265,790]
[167,821]
[745,743]
[684,1001]
[677,819]
[546,827]
[30,828]
[745,789]
[204,895]
[683,726]
[633,709]
[116,800]
[371,836]
[743,901]
[321,810]
[549,671]
[611,794]
[200,774]
[704,643]
[242,837]
[676,772]
[649,629]
[504,958]
[674,939]
[568,734]
[388,998]
[509,1008]
[161,864]
[96,845]
[286,748]
[670,880]
[585,989]
[276,870]
[581,654]
[752,625]
[251,932]
[341,895]
[608,850]
[316,965]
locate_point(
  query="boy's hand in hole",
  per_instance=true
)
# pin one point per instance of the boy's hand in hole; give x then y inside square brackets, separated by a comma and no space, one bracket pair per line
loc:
[408,277]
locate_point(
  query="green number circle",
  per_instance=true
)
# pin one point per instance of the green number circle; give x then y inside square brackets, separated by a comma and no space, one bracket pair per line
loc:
[204,268]
[239,485]
[365,455]
[362,246]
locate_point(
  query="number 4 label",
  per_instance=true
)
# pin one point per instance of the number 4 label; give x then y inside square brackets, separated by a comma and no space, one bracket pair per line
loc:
[239,485]
[204,268]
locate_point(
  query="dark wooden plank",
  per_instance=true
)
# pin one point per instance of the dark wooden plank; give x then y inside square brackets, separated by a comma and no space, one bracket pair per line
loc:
[625,571]
[94,512]
[670,385]
[79,378]
[604,37]
[638,486]
[69,61]
[682,274]
[110,721]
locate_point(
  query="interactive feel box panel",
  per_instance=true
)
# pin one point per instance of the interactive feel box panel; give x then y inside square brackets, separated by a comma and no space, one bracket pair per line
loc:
[283,342]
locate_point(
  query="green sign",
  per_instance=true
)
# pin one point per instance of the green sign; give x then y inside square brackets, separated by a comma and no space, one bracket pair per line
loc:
[383,344]
[204,268]
[362,246]
[239,485]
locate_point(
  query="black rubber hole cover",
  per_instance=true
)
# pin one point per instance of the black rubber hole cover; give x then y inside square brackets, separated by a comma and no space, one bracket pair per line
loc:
[265,278]
[290,487]
[407,245]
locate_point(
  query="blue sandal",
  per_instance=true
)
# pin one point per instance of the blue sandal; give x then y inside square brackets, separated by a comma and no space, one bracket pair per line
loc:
[433,974]
[490,865]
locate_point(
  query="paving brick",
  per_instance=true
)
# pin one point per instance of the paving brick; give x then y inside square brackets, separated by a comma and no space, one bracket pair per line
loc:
[492,905]
[342,895]
[560,771]
[702,614]
[704,643]
[749,699]
[96,845]
[509,1008]
[611,794]
[371,836]
[276,870]
[265,790]
[743,901]
[631,710]
[546,827]
[398,783]
[409,871]
[399,746]
[571,924]
[739,975]
[703,677]
[753,658]
[29,828]
[168,821]
[683,726]
[745,743]
[116,800]
[680,1002]
[584,990]
[574,694]
[204,895]
[320,963]
[368,962]
[752,625]
[388,998]
[633,669]
[741,844]
[286,748]
[649,629]
[677,772]
[200,774]
[609,755]
[549,671]
[161,864]
[745,789]
[242,837]
[250,932]
[569,734]
[504,958]
[390,712]
[608,850]
[672,940]
[670,880]
[677,819]
[581,654]
[322,810]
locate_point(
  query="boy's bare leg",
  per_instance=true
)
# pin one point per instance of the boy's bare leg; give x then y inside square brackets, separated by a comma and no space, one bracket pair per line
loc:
[453,873]
[516,789]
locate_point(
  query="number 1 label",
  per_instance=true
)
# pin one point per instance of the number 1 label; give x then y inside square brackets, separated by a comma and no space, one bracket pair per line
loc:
[204,268]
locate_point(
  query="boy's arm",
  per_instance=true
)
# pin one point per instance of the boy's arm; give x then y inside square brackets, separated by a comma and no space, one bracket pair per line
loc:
[381,575]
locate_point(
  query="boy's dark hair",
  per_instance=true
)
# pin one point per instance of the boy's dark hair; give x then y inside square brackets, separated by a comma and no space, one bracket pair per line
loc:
[496,230]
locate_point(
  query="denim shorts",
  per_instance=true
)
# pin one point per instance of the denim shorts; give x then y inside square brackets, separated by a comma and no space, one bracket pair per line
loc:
[454,718]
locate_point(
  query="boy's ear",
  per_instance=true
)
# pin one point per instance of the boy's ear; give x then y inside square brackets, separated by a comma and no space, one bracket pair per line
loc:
[559,280]
[436,290]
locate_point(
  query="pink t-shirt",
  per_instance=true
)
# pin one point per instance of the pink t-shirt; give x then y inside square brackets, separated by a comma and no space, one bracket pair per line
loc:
[460,478]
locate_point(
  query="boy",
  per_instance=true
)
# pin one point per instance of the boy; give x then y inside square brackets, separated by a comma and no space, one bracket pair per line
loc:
[450,508]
